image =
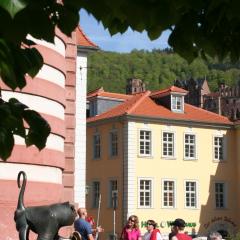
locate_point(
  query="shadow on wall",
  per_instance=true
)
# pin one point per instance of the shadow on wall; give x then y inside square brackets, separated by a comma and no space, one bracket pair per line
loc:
[221,210]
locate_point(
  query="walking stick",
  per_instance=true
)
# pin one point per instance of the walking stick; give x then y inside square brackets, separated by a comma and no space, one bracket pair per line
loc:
[98,215]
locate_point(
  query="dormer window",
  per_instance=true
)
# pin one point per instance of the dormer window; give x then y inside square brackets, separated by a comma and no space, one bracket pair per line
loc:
[177,103]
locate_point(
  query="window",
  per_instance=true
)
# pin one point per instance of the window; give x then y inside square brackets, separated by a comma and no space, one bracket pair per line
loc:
[190,194]
[145,193]
[145,143]
[93,108]
[168,193]
[190,146]
[168,144]
[177,103]
[220,194]
[112,187]
[95,194]
[113,143]
[218,148]
[96,146]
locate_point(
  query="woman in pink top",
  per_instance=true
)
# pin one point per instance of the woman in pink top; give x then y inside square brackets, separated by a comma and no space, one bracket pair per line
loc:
[131,230]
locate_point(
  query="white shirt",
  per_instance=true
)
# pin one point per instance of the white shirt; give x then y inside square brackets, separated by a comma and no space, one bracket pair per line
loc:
[147,236]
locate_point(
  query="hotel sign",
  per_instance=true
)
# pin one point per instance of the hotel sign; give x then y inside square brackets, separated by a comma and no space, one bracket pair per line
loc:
[164,224]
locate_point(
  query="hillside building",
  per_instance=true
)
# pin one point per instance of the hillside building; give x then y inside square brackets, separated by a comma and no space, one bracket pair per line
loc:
[165,159]
[226,101]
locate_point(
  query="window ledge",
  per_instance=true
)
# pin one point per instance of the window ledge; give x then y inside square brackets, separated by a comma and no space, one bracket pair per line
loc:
[219,208]
[145,156]
[190,159]
[191,208]
[169,158]
[219,161]
[177,111]
[145,207]
[169,208]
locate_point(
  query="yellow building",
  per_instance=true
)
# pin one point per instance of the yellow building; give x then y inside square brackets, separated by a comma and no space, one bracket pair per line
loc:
[165,159]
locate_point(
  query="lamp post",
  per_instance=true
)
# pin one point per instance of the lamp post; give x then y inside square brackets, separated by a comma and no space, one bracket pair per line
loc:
[114,204]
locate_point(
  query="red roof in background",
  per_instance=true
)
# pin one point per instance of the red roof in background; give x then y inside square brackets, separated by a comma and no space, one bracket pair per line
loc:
[143,105]
[121,109]
[167,91]
[100,92]
[83,40]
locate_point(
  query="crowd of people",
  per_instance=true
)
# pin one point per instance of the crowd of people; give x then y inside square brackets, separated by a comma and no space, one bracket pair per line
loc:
[131,231]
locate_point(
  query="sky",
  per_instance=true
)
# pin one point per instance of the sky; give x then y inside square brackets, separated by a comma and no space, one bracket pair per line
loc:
[119,42]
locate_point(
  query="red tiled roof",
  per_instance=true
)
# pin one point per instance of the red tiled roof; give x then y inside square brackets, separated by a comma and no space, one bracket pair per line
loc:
[95,92]
[143,105]
[83,40]
[121,109]
[167,91]
[100,92]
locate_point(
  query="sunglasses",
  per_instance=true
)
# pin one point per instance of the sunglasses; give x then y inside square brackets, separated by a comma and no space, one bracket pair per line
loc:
[131,220]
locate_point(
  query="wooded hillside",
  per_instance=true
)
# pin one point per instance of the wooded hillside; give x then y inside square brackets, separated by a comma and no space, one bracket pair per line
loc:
[158,69]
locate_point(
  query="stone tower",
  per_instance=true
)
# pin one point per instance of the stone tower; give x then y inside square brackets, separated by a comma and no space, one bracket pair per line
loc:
[135,85]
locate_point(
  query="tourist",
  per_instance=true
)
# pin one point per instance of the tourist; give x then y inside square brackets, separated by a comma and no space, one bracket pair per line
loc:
[215,236]
[178,230]
[131,230]
[84,227]
[152,232]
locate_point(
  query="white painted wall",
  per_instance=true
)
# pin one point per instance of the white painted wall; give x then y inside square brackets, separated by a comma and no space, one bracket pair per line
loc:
[130,152]
[52,75]
[80,131]
[9,171]
[58,46]
[37,103]
[54,142]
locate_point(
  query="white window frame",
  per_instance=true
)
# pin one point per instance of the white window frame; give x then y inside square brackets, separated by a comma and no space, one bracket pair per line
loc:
[113,143]
[95,193]
[145,141]
[190,192]
[174,193]
[96,146]
[224,148]
[223,194]
[189,144]
[110,189]
[178,102]
[174,145]
[150,195]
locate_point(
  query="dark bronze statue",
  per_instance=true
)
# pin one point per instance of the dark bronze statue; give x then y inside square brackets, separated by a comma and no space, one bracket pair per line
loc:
[45,221]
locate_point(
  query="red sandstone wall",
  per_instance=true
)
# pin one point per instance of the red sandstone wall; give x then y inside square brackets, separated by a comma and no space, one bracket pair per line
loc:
[68,174]
[41,193]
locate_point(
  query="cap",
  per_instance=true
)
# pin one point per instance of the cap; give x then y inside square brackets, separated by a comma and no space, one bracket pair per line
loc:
[178,222]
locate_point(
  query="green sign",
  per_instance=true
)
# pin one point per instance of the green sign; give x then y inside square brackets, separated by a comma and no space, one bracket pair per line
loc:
[164,224]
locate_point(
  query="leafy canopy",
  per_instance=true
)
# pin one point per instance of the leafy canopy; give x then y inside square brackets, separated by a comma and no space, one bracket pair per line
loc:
[19,57]
[158,69]
[197,27]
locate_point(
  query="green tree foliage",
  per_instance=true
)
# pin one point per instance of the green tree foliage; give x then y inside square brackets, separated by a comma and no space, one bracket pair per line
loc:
[198,28]
[19,57]
[158,69]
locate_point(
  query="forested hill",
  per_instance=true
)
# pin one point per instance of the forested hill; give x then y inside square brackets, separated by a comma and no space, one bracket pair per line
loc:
[158,69]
